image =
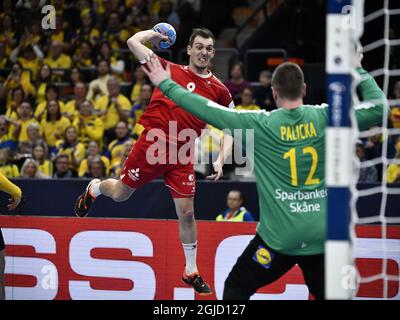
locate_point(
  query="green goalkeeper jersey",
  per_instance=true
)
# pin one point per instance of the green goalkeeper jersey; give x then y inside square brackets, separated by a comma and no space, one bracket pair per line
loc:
[289,161]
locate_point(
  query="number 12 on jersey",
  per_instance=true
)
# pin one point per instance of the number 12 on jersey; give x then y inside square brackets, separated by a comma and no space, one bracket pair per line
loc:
[291,154]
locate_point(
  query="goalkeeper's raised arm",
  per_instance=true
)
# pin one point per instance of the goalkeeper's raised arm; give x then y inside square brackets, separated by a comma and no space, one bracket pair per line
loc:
[205,109]
[370,112]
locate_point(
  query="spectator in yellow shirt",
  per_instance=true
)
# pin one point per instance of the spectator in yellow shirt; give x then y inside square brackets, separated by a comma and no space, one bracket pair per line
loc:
[117,64]
[87,32]
[113,108]
[17,97]
[7,167]
[71,108]
[54,124]
[3,58]
[52,93]
[15,79]
[30,170]
[83,55]
[25,148]
[74,76]
[393,170]
[93,151]
[114,150]
[19,125]
[98,87]
[36,30]
[89,126]
[247,101]
[6,140]
[28,54]
[72,147]
[395,110]
[58,60]
[43,78]
[7,34]
[139,82]
[97,168]
[40,154]
[118,164]
[114,34]
[58,34]
[142,102]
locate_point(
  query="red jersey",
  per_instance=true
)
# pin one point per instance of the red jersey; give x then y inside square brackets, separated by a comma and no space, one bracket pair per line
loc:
[162,110]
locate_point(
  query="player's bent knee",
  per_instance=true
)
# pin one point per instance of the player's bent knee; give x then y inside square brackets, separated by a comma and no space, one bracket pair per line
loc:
[187,217]
[188,213]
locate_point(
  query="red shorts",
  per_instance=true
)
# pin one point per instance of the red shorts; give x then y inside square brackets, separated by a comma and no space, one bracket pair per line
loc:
[141,167]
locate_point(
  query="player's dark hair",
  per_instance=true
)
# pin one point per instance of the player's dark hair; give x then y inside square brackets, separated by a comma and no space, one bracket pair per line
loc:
[202,32]
[288,81]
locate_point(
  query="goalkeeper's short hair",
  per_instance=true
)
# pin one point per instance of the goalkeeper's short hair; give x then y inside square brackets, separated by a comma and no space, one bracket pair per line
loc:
[288,81]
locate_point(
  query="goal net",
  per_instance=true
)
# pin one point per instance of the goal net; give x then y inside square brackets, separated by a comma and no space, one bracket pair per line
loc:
[363,247]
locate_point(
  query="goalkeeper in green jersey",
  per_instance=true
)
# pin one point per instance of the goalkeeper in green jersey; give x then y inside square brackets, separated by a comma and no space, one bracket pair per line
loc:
[289,163]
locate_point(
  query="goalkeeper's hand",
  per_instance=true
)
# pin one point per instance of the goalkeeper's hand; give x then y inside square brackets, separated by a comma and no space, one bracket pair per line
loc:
[359,56]
[155,71]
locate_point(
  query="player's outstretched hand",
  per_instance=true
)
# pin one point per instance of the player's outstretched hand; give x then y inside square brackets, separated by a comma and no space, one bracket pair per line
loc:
[155,71]
[218,171]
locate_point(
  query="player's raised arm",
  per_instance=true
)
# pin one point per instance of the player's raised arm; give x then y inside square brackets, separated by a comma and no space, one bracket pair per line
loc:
[369,113]
[205,109]
[137,41]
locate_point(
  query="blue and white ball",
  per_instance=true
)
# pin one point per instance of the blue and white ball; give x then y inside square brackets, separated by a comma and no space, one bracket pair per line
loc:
[167,30]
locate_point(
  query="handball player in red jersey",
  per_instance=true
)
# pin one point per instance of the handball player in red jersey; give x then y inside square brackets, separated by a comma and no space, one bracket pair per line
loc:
[166,146]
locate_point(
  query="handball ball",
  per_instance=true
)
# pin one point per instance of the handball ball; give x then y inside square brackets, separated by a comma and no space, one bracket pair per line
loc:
[167,30]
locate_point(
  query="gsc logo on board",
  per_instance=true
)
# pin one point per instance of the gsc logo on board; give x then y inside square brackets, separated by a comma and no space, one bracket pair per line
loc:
[72,267]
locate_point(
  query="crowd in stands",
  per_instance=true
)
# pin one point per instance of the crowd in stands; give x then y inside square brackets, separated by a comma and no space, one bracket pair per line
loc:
[71,97]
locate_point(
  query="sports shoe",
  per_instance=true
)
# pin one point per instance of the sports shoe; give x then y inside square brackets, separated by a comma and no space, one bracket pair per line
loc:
[196,281]
[85,201]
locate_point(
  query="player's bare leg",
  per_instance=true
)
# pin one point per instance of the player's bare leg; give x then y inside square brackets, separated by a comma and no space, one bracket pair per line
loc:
[115,189]
[2,270]
[188,235]
[111,188]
